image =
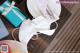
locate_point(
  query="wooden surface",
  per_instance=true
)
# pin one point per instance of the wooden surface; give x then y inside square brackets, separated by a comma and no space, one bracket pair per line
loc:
[68,38]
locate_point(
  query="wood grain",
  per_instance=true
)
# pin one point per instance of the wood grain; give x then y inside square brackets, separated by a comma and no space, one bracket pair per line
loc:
[68,38]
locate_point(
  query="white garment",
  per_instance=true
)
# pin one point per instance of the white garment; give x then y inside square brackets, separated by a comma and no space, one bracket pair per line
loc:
[42,21]
[50,9]
[29,28]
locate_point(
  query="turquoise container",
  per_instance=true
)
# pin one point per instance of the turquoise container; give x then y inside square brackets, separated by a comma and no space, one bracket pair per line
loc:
[12,13]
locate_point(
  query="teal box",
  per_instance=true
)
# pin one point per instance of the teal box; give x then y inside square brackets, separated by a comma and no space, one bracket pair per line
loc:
[12,13]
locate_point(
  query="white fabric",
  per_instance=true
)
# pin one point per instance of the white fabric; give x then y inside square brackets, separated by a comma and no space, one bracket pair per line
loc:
[29,28]
[45,12]
[39,8]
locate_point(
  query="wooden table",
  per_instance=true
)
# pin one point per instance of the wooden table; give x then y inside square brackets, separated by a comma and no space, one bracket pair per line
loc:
[67,39]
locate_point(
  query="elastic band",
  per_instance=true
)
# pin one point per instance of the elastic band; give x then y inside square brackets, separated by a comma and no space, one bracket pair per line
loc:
[35,38]
[13,33]
[57,25]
